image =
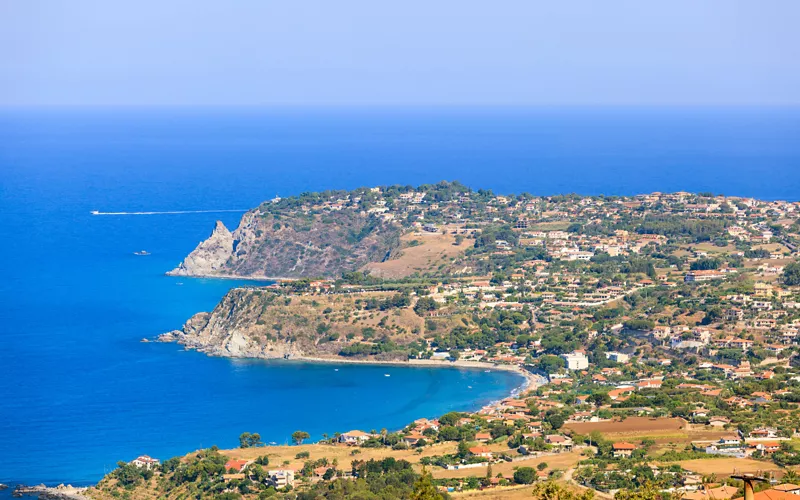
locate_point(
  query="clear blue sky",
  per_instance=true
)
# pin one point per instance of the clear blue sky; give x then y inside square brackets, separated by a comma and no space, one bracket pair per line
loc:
[406,52]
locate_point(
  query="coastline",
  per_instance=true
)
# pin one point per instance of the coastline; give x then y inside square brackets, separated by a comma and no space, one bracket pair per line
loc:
[530,380]
[229,277]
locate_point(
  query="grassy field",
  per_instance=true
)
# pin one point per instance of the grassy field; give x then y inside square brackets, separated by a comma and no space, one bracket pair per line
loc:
[284,456]
[558,461]
[431,252]
[712,248]
[724,467]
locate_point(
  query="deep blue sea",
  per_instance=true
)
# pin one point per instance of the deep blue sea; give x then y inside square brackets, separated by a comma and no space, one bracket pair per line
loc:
[78,391]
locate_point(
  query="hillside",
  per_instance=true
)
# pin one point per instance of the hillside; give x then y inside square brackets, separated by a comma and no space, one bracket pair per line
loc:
[292,244]
[264,324]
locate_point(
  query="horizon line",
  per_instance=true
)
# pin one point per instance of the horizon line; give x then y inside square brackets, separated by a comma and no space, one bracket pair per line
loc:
[10,106]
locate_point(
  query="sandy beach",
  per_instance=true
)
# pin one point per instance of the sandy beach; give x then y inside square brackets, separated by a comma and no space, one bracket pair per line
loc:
[531,380]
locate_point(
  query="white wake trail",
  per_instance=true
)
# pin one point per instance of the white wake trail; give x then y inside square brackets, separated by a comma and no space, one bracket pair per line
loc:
[167,212]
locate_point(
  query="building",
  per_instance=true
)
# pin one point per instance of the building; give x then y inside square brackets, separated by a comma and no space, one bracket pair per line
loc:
[617,357]
[576,360]
[623,449]
[145,462]
[711,274]
[237,465]
[481,451]
[281,478]
[354,437]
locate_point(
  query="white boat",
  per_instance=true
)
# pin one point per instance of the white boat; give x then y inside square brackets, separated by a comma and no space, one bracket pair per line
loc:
[386,375]
[141,252]
[95,212]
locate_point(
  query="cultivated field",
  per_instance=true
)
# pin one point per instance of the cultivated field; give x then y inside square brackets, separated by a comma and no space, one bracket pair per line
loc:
[631,426]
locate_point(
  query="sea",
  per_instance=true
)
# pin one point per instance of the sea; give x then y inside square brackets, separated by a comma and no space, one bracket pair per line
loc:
[79,391]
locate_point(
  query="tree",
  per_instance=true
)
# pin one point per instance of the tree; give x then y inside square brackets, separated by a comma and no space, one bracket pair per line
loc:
[524,475]
[248,440]
[647,491]
[299,436]
[450,418]
[425,304]
[556,420]
[449,433]
[600,398]
[424,488]
[550,363]
[554,491]
[542,466]
[791,274]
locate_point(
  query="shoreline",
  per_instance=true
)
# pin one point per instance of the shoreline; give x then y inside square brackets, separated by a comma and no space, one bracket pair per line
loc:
[229,277]
[530,380]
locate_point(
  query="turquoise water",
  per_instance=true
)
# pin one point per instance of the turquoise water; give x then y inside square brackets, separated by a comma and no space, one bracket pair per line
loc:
[78,390]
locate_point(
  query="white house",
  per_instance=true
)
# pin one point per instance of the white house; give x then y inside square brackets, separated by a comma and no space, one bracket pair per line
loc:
[354,437]
[282,478]
[145,462]
[617,357]
[576,360]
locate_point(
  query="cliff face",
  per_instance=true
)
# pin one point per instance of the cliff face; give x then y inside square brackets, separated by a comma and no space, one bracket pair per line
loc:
[210,255]
[292,246]
[253,323]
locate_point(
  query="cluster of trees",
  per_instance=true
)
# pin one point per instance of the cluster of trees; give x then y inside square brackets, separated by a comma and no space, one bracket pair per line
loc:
[491,234]
[129,475]
[396,301]
[425,304]
[379,479]
[361,349]
[705,264]
[250,440]
[673,226]
[791,274]
[500,326]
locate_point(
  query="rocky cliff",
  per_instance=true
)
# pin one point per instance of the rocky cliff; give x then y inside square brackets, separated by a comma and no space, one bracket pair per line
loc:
[258,323]
[292,245]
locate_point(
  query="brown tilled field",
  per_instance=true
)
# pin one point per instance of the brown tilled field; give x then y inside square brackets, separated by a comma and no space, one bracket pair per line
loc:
[631,425]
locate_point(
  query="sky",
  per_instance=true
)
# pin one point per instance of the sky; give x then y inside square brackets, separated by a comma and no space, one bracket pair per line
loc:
[408,52]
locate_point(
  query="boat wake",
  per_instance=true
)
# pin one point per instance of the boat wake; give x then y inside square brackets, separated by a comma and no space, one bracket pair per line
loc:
[168,212]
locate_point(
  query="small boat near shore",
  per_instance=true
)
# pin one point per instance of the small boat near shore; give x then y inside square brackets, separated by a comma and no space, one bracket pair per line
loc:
[141,252]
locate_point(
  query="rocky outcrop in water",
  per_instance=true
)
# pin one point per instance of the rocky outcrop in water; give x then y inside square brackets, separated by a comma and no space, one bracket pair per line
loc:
[210,256]
[237,328]
[60,492]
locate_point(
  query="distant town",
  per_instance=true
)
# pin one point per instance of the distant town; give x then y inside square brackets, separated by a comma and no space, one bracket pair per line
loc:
[657,334]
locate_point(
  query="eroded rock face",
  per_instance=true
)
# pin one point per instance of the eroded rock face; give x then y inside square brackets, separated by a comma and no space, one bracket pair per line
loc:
[210,256]
[259,323]
[232,330]
[267,245]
